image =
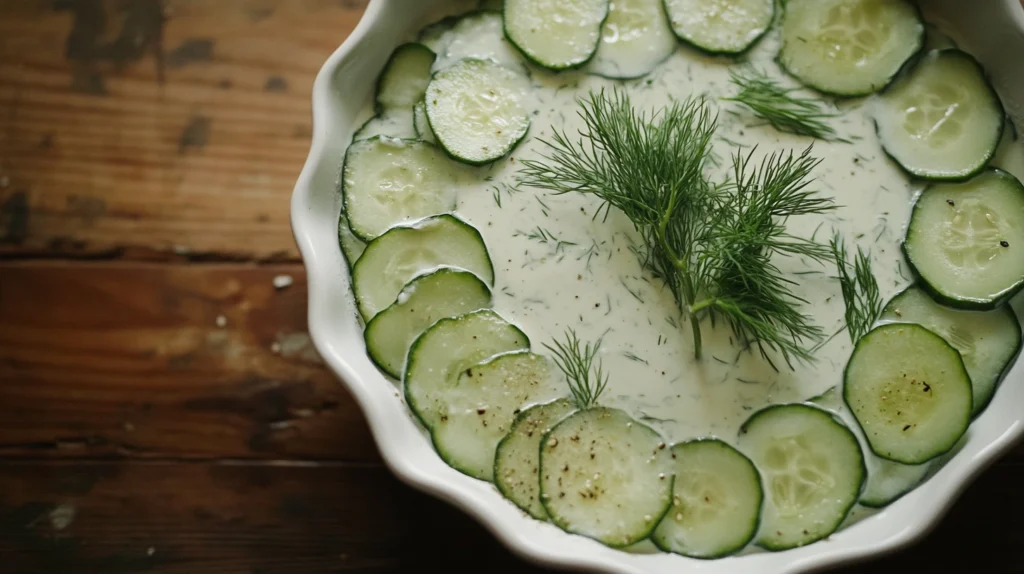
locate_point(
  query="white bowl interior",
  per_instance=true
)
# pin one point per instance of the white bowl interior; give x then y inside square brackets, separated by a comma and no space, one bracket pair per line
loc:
[995,35]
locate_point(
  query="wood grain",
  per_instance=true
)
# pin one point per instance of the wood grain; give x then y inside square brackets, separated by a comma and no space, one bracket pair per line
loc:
[105,517]
[158,361]
[147,130]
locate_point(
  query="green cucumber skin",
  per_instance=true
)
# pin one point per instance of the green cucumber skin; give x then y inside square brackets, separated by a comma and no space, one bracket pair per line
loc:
[370,325]
[757,521]
[574,66]
[1006,309]
[377,108]
[959,178]
[853,438]
[455,157]
[629,78]
[879,505]
[866,441]
[776,12]
[646,535]
[515,423]
[966,304]
[416,224]
[344,190]
[918,51]
[408,363]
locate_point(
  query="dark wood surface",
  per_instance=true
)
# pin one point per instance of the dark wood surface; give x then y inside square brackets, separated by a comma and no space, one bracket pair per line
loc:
[161,407]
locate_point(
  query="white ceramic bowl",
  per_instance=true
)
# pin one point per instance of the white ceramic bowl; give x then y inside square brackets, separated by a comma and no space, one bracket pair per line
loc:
[993,30]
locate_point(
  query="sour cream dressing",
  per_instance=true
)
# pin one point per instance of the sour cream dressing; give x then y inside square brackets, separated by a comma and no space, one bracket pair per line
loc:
[557,267]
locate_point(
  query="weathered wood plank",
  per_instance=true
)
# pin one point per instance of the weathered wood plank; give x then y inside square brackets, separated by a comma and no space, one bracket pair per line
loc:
[157,130]
[150,360]
[203,517]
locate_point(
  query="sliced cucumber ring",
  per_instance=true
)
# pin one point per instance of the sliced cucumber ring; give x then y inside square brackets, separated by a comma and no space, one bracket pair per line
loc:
[395,258]
[481,36]
[988,341]
[394,123]
[716,501]
[813,472]
[421,124]
[555,34]
[351,246]
[435,36]
[606,476]
[483,404]
[848,47]
[909,391]
[965,240]
[446,292]
[477,110]
[388,182]
[634,40]
[404,80]
[440,356]
[720,26]
[942,120]
[517,458]
[888,481]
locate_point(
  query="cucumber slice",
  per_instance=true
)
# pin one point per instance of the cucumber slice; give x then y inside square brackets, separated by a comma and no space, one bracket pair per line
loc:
[555,34]
[421,123]
[388,182]
[446,292]
[942,120]
[966,242]
[909,391]
[848,47]
[517,458]
[887,480]
[393,123]
[481,36]
[436,36]
[720,26]
[351,246]
[829,400]
[988,341]
[439,357]
[606,476]
[634,40]
[405,78]
[477,110]
[395,258]
[813,472]
[1009,157]
[483,404]
[716,503]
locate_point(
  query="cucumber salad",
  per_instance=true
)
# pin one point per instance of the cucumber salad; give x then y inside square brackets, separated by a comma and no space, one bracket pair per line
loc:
[690,276]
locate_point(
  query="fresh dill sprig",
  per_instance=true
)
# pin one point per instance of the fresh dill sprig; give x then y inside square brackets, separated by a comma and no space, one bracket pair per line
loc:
[779,106]
[712,243]
[859,288]
[586,379]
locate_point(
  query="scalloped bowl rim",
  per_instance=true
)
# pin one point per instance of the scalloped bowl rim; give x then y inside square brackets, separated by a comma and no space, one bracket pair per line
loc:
[405,447]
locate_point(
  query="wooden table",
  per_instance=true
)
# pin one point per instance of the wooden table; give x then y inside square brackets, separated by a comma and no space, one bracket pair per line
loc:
[161,406]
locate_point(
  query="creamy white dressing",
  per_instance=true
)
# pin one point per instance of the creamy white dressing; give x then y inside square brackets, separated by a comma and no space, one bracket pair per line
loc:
[556,267]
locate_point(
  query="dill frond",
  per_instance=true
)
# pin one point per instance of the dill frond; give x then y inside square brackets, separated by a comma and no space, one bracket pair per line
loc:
[859,288]
[586,379]
[711,243]
[780,107]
